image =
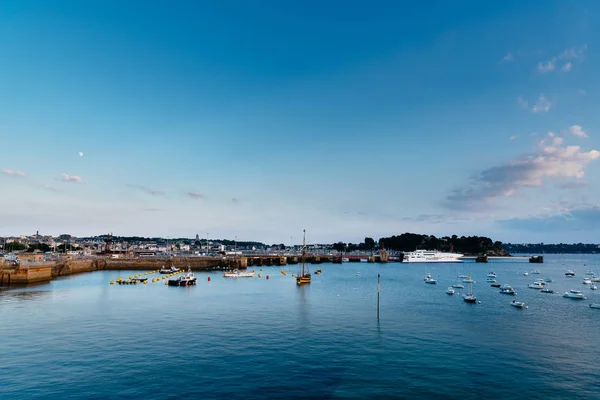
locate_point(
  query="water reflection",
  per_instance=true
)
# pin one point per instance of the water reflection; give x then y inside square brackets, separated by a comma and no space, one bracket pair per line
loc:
[303,306]
[14,296]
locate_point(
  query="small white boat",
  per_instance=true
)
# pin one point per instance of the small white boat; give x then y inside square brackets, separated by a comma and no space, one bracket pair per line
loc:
[458,286]
[468,280]
[535,285]
[570,273]
[526,273]
[595,305]
[491,280]
[590,273]
[463,276]
[450,291]
[238,274]
[595,279]
[431,281]
[491,275]
[594,287]
[547,290]
[469,297]
[574,294]
[507,289]
[518,304]
[548,280]
[427,276]
[587,281]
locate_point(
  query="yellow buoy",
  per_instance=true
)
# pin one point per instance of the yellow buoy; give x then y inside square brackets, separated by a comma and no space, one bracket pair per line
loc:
[145,282]
[166,282]
[112,282]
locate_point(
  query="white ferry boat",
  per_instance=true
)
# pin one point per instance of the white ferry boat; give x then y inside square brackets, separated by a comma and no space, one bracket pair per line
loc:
[431,256]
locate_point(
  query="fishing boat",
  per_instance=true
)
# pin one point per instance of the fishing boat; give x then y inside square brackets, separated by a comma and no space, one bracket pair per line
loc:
[495,284]
[535,285]
[469,297]
[595,305]
[304,276]
[318,271]
[570,273]
[595,279]
[587,281]
[507,289]
[518,304]
[590,272]
[431,281]
[188,279]
[171,270]
[450,291]
[574,294]
[547,290]
[593,287]
[236,273]
[491,275]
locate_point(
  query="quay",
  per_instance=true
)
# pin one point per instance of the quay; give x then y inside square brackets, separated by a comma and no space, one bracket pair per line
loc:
[32,272]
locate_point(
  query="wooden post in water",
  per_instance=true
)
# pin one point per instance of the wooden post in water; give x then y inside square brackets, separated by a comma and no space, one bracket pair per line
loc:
[378,290]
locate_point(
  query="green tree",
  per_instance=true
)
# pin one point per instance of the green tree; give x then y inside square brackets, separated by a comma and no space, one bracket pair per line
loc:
[369,243]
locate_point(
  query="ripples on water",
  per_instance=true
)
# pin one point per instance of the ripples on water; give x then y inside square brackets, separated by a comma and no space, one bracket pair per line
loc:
[79,337]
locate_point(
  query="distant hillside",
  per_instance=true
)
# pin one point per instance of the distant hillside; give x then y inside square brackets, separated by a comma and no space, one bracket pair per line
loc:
[468,245]
[561,248]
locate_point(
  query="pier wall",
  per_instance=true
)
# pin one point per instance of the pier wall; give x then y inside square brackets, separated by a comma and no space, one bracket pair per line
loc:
[42,272]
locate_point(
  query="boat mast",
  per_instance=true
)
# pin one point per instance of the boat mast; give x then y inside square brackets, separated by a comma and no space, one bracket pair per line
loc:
[303,251]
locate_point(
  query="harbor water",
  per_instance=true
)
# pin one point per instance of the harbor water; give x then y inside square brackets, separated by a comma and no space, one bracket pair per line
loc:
[78,337]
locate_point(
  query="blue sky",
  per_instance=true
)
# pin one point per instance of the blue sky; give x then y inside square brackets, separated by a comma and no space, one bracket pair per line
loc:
[260,119]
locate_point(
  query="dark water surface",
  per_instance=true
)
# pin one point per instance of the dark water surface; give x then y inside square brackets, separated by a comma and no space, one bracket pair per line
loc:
[81,338]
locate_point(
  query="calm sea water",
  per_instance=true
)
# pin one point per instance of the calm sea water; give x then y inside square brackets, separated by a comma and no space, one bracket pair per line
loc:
[81,338]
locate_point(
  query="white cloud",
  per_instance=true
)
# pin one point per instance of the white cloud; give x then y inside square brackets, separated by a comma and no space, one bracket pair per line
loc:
[567,67]
[529,170]
[547,66]
[576,52]
[557,141]
[80,154]
[578,131]
[542,105]
[12,172]
[147,190]
[196,195]
[72,178]
[523,103]
[508,57]
[513,137]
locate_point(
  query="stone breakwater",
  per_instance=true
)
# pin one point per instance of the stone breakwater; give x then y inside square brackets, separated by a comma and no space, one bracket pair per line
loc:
[23,274]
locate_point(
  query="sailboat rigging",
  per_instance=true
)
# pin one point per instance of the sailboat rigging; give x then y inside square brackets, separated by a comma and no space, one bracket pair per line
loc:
[304,276]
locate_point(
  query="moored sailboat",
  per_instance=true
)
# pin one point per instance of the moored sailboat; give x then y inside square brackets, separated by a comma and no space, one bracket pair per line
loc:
[304,276]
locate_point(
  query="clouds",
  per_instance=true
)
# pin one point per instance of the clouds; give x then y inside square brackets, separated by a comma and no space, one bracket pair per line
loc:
[577,130]
[80,154]
[512,138]
[583,218]
[547,66]
[508,57]
[568,58]
[72,178]
[196,195]
[542,105]
[147,190]
[548,161]
[12,172]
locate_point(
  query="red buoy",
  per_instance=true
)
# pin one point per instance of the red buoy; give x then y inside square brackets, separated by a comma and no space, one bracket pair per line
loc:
[209,278]
[267,276]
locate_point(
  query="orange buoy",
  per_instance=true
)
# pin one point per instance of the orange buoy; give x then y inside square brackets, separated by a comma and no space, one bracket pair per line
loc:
[209,278]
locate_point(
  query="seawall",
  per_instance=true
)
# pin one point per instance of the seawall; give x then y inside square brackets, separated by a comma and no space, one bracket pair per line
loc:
[23,274]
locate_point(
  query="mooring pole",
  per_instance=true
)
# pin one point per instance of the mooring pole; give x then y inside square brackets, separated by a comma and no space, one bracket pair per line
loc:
[378,290]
